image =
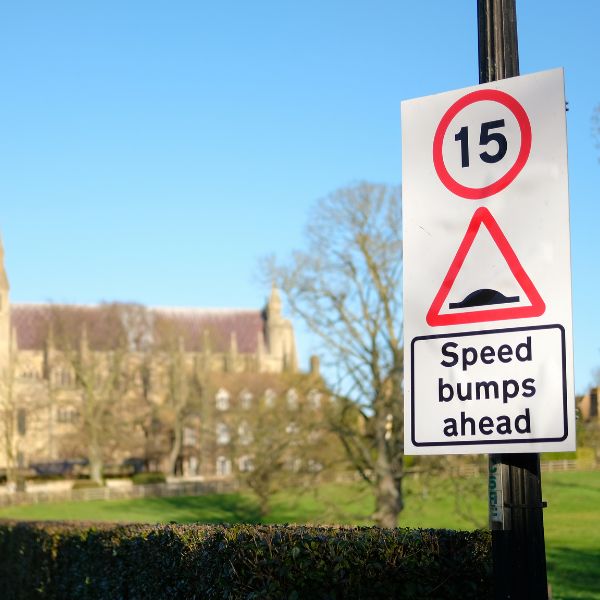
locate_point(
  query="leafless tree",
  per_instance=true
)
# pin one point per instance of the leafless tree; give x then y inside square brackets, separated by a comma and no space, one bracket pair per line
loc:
[133,386]
[346,287]
[8,418]
[183,394]
[101,368]
[177,389]
[283,443]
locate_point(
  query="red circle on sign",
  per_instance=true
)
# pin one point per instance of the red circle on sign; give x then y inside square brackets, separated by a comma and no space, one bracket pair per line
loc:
[493,188]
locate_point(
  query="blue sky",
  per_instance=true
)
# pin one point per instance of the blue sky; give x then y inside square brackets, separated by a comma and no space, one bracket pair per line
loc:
[154,151]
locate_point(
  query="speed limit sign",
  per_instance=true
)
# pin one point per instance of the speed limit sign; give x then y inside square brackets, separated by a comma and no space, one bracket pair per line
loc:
[487,303]
[503,163]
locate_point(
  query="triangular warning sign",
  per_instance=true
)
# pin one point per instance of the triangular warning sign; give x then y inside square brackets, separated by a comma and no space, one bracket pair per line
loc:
[498,310]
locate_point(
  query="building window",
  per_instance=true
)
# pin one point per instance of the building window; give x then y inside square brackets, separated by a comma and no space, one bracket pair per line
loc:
[314,466]
[223,436]
[246,400]
[314,399]
[270,398]
[65,378]
[30,373]
[62,377]
[190,437]
[222,400]
[292,428]
[245,433]
[314,436]
[292,399]
[21,421]
[190,467]
[223,466]
[294,464]
[245,464]
[67,415]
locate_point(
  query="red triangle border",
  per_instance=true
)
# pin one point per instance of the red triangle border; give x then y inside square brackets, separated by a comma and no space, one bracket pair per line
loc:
[483,216]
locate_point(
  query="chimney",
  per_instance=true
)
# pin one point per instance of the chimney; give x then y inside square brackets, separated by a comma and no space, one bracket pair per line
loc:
[315,366]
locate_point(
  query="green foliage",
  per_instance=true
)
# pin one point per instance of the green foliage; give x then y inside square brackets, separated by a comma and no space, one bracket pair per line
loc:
[560,455]
[84,484]
[570,521]
[147,562]
[147,478]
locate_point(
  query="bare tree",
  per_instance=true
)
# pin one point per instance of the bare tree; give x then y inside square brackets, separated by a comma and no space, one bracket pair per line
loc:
[178,386]
[8,418]
[133,388]
[177,402]
[101,369]
[346,287]
[283,442]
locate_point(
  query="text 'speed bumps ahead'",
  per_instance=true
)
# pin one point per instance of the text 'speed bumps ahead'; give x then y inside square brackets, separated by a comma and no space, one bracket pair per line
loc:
[485,388]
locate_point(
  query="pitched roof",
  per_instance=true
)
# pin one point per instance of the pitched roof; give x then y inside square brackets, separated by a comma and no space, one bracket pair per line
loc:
[104,323]
[191,323]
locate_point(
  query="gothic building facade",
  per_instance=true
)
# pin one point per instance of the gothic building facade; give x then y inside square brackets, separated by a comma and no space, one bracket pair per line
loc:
[178,389]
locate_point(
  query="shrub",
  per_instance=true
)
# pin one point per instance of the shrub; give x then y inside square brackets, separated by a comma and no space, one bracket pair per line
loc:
[84,484]
[147,478]
[154,562]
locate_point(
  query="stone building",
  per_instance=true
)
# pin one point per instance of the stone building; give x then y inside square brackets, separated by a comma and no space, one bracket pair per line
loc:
[176,389]
[588,405]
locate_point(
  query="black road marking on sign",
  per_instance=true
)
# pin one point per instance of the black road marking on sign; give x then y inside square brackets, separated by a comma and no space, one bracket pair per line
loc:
[484,297]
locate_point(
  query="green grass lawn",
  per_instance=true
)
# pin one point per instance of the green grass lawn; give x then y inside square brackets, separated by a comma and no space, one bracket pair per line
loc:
[572,519]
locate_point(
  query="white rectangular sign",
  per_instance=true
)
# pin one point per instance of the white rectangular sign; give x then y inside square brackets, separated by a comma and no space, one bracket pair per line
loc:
[487,281]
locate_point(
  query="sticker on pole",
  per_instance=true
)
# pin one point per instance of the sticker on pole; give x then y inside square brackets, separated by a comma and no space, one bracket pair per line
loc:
[478,303]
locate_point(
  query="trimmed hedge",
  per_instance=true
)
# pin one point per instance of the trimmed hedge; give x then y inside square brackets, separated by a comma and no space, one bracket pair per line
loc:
[64,561]
[148,478]
[86,484]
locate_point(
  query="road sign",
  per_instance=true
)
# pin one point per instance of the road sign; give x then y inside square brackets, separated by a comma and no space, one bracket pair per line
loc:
[487,134]
[487,303]
[483,297]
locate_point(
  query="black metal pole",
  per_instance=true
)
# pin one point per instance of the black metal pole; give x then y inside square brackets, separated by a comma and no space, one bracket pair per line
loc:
[515,485]
[498,44]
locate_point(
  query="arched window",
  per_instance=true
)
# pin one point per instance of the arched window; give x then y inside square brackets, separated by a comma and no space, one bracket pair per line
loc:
[222,399]
[66,378]
[246,400]
[270,398]
[67,414]
[314,466]
[21,421]
[292,428]
[245,433]
[190,437]
[29,372]
[245,463]
[223,466]
[222,432]
[292,399]
[314,399]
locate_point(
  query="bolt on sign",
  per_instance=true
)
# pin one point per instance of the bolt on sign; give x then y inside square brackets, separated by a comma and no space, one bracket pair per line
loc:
[487,278]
